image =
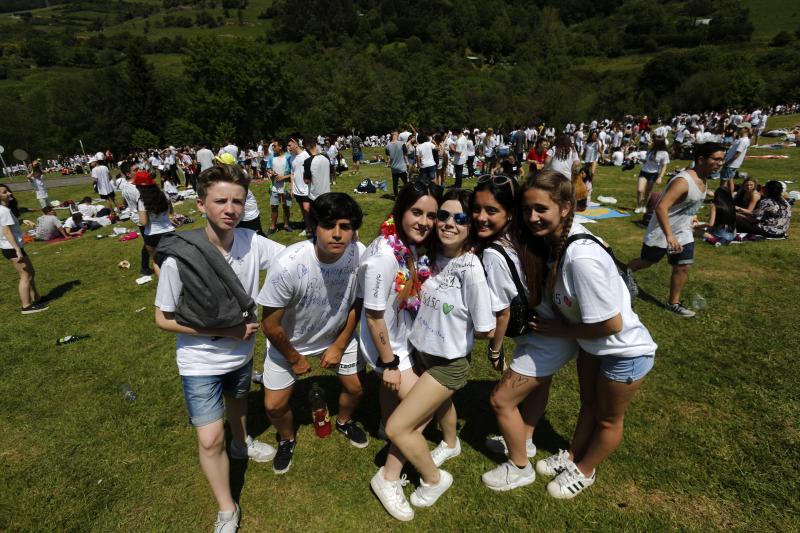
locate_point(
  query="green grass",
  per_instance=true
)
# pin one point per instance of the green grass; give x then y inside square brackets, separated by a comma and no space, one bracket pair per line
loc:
[772,16]
[710,441]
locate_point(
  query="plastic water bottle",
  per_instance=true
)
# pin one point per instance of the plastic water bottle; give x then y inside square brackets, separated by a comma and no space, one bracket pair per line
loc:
[69,339]
[698,302]
[319,411]
[127,392]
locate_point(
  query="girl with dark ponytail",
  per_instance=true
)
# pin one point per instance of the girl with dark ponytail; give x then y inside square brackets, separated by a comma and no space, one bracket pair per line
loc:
[616,350]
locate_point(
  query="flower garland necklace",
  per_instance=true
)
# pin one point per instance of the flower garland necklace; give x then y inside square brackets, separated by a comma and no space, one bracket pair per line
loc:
[402,253]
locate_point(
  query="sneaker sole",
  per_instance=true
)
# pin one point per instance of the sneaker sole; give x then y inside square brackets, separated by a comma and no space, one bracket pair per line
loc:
[402,518]
[263,459]
[511,486]
[283,471]
[34,311]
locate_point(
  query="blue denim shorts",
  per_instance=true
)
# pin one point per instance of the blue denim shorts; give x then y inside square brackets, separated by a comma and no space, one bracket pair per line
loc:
[203,394]
[625,369]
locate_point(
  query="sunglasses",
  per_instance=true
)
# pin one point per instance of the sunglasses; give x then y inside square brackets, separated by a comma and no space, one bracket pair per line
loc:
[462,219]
[426,187]
[498,179]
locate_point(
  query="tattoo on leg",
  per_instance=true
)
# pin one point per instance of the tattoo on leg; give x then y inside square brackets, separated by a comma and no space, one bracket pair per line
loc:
[519,381]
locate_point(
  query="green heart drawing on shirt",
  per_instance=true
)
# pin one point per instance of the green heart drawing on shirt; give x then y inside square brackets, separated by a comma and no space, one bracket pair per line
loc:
[447,308]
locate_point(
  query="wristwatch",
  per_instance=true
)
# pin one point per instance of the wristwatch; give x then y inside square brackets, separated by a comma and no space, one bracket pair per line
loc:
[390,365]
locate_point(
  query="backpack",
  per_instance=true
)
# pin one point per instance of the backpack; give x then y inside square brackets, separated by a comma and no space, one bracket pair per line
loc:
[307,177]
[625,273]
[519,310]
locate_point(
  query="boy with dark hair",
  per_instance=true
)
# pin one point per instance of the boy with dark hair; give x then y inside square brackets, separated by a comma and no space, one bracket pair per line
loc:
[309,311]
[670,231]
[209,278]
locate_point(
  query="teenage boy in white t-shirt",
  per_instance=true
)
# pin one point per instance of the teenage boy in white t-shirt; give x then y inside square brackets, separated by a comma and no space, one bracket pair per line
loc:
[218,362]
[309,311]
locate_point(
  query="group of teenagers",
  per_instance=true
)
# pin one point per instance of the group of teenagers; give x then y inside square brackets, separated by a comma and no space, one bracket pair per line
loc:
[446,267]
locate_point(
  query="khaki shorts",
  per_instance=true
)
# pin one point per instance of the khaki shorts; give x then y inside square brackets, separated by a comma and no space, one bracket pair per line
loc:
[451,373]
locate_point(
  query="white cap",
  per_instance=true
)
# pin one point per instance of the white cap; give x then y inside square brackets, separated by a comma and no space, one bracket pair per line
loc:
[99,156]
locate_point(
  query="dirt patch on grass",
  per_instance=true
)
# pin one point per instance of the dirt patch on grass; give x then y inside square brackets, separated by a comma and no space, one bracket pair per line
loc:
[691,511]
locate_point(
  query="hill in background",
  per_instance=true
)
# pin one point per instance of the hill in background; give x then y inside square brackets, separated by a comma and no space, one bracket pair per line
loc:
[123,73]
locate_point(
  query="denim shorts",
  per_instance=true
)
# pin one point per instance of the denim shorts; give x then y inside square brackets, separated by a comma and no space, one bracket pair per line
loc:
[625,369]
[203,394]
[728,173]
[277,191]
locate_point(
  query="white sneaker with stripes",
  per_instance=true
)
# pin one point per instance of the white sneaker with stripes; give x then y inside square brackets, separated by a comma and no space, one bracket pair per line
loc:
[569,483]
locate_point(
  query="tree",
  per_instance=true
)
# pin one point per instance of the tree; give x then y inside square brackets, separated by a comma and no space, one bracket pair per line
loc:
[180,132]
[144,139]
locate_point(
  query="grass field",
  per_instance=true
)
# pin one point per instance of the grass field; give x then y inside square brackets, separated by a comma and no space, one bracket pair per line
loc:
[710,443]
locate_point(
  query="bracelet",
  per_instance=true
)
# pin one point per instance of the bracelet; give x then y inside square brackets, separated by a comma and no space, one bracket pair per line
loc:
[391,365]
[494,355]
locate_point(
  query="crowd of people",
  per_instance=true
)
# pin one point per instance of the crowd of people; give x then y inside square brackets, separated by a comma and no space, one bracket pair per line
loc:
[505,258]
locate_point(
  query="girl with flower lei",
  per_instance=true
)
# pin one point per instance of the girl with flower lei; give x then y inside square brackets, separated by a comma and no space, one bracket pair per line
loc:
[390,277]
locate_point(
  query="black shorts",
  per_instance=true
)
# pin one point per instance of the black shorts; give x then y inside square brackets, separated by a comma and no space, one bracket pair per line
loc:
[109,196]
[649,176]
[654,254]
[302,199]
[152,240]
[254,224]
[12,254]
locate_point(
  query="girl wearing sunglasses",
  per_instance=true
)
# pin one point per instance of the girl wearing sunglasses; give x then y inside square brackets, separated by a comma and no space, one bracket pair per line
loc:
[390,278]
[616,350]
[453,308]
[519,399]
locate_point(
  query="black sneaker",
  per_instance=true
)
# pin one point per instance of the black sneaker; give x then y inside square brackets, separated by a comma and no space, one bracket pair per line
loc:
[283,459]
[35,308]
[357,436]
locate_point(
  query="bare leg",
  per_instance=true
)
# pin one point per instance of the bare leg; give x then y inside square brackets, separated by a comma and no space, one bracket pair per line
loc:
[588,369]
[448,422]
[274,218]
[350,397]
[680,273]
[389,402]
[26,287]
[612,400]
[422,401]
[236,411]
[639,264]
[214,462]
[506,398]
[276,403]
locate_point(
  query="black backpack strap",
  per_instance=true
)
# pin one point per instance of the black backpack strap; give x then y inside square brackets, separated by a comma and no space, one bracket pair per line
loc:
[590,237]
[514,274]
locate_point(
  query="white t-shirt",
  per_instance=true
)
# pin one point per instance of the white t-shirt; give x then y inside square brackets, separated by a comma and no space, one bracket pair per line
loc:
[617,158]
[7,218]
[251,211]
[376,276]
[205,158]
[461,151]
[501,283]
[425,154]
[131,195]
[100,173]
[156,223]
[89,210]
[230,149]
[564,166]
[453,306]
[739,145]
[589,290]
[299,186]
[199,355]
[654,164]
[320,177]
[38,185]
[316,296]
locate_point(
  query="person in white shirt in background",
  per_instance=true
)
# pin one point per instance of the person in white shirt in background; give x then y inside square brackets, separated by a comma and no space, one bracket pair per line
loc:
[36,179]
[299,185]
[102,180]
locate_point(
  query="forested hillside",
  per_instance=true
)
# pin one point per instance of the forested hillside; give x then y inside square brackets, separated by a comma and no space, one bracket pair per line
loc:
[130,72]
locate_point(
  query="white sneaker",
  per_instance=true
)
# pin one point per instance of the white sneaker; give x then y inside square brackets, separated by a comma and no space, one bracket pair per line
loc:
[258,451]
[426,495]
[391,495]
[555,464]
[302,234]
[508,476]
[497,444]
[227,522]
[569,483]
[443,452]
[639,210]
